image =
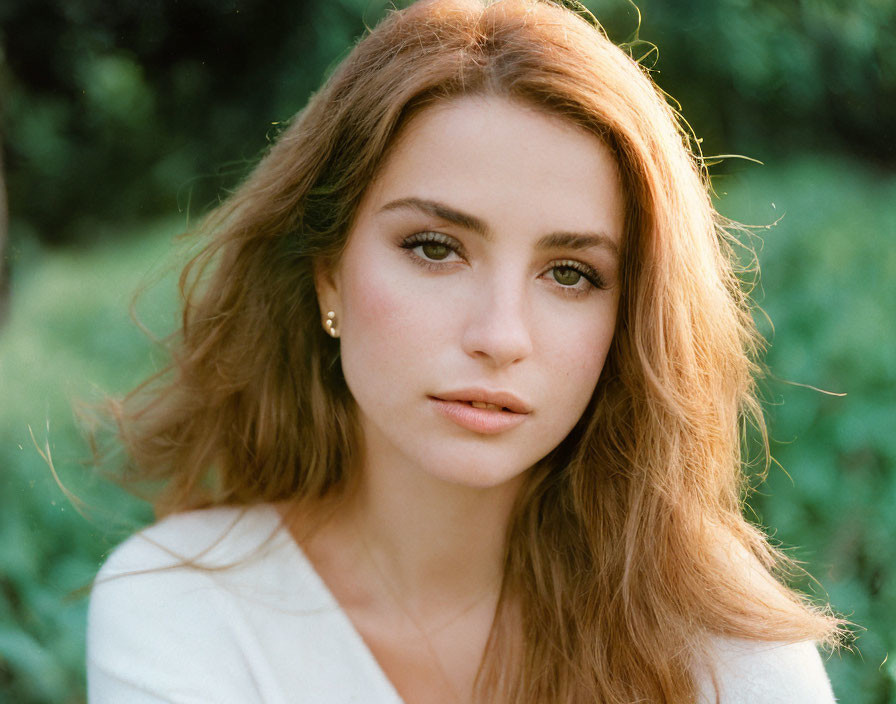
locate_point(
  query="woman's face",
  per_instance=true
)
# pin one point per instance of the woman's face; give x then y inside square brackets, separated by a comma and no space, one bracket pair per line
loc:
[482,267]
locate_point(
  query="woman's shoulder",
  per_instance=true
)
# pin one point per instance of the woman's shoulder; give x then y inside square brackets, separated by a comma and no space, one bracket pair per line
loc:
[205,560]
[171,608]
[182,572]
[772,672]
[743,671]
[206,537]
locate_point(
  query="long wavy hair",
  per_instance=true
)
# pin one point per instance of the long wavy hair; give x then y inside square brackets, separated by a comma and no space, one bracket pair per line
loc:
[627,552]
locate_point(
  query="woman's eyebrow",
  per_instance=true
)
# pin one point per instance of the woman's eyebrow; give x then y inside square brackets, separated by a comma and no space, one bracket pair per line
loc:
[555,240]
[443,212]
[578,240]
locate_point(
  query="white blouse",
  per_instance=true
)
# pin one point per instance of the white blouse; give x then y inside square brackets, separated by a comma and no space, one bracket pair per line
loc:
[267,629]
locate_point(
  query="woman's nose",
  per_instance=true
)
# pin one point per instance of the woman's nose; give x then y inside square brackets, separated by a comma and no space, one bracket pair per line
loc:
[498,325]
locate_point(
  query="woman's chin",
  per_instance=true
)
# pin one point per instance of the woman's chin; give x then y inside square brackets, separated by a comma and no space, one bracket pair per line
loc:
[478,475]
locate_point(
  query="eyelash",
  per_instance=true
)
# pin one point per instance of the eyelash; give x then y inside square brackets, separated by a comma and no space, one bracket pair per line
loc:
[421,238]
[591,275]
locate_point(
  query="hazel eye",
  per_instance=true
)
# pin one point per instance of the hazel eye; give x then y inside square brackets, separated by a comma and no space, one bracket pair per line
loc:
[435,250]
[566,276]
[574,277]
[432,247]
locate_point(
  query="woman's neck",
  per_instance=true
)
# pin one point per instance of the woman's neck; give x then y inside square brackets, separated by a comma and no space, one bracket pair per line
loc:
[416,563]
[439,544]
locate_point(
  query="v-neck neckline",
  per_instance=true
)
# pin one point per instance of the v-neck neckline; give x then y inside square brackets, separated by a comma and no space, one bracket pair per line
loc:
[350,631]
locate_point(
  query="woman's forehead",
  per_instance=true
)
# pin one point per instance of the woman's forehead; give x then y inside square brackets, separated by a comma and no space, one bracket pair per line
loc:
[493,155]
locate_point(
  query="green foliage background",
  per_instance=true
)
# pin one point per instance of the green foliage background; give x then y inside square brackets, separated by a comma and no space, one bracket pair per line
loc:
[139,115]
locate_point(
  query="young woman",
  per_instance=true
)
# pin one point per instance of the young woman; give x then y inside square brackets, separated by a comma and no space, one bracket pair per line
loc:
[455,411]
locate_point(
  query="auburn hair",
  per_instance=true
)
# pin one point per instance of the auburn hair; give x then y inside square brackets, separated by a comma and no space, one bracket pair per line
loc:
[627,552]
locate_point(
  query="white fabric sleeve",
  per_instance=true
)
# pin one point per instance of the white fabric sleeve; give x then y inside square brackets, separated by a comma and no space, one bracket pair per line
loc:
[158,633]
[766,673]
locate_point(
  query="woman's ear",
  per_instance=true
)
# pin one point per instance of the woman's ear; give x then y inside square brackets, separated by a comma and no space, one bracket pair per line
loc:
[326,287]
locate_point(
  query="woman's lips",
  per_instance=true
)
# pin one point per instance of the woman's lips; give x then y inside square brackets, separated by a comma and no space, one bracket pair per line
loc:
[489,420]
[491,397]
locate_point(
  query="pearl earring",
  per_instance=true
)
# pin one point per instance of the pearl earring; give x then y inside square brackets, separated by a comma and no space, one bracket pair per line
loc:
[330,324]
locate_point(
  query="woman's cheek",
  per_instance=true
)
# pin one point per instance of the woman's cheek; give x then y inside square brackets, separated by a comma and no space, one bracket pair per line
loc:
[387,317]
